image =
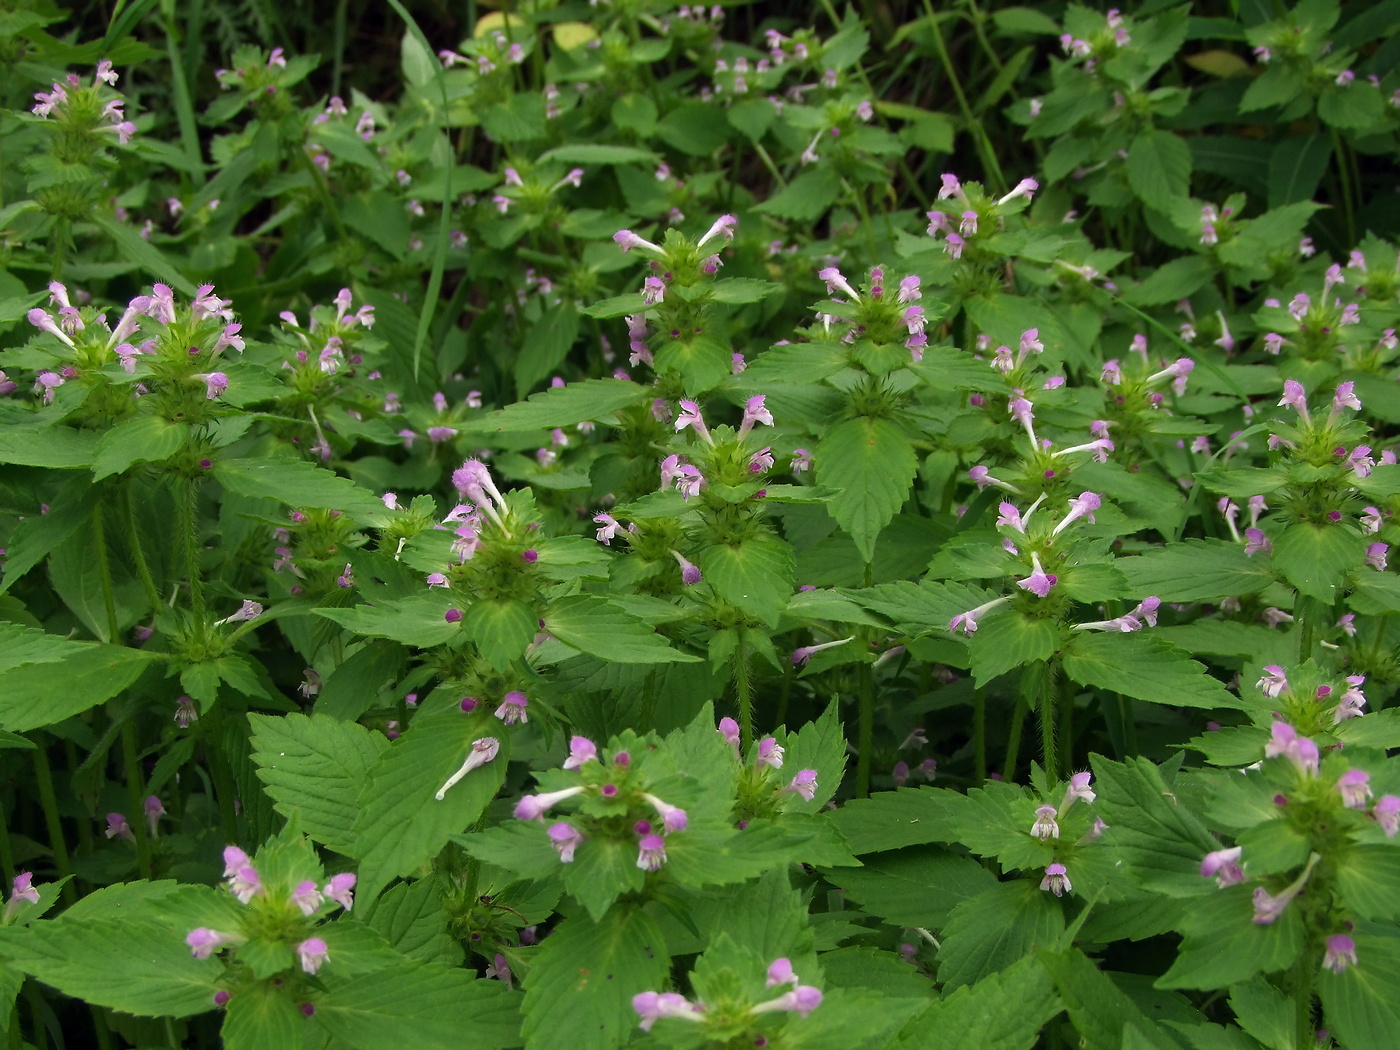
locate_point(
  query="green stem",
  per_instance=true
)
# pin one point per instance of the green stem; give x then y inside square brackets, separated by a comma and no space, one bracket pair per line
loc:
[974,126]
[339,46]
[865,223]
[189,525]
[221,774]
[184,107]
[867,731]
[979,736]
[48,802]
[36,1010]
[1013,739]
[743,692]
[1065,697]
[1308,613]
[1305,1033]
[1049,681]
[104,572]
[138,551]
[136,792]
[1344,180]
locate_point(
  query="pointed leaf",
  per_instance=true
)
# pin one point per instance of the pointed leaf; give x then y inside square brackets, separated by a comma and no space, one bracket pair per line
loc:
[595,626]
[871,465]
[1145,668]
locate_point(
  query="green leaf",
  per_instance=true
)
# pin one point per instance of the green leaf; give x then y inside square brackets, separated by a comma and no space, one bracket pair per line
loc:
[592,399]
[702,361]
[744,290]
[696,129]
[755,575]
[1362,1003]
[1103,1015]
[1315,557]
[145,439]
[1159,168]
[753,117]
[1196,570]
[1008,639]
[432,1007]
[138,967]
[546,345]
[132,246]
[995,929]
[1174,280]
[593,625]
[316,767]
[1155,836]
[1224,945]
[411,918]
[1368,881]
[1004,1012]
[914,887]
[502,629]
[578,993]
[400,824]
[262,1016]
[807,197]
[296,483]
[1296,166]
[1145,668]
[418,621]
[54,447]
[38,695]
[871,465]
[597,153]
[893,819]
[819,745]
[1264,1012]
[21,645]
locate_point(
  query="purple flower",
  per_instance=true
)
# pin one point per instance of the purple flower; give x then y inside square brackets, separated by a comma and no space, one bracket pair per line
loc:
[653,291]
[690,573]
[1376,555]
[723,227]
[1045,826]
[513,708]
[804,784]
[565,839]
[312,954]
[1274,681]
[23,890]
[653,1006]
[1353,700]
[967,622]
[1355,788]
[780,972]
[245,884]
[1082,507]
[307,898]
[690,417]
[1299,750]
[801,461]
[651,852]
[483,750]
[627,240]
[1341,953]
[673,818]
[205,942]
[1345,398]
[1078,789]
[1295,397]
[1056,880]
[610,527]
[729,729]
[755,411]
[1387,814]
[770,753]
[340,889]
[802,655]
[117,827]
[534,807]
[1256,541]
[1039,581]
[836,283]
[802,1000]
[1224,866]
[581,750]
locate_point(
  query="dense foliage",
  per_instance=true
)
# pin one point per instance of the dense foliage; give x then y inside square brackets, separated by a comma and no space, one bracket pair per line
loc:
[467,497]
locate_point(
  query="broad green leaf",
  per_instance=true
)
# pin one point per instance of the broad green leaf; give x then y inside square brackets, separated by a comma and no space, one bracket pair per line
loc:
[995,929]
[578,993]
[1196,570]
[296,483]
[1296,166]
[860,1019]
[38,695]
[1159,168]
[592,399]
[1315,557]
[1008,639]
[76,575]
[694,128]
[893,819]
[21,645]
[701,361]
[753,117]
[1171,282]
[1102,1013]
[1154,835]
[353,687]
[1224,945]
[914,887]
[593,625]
[131,245]
[316,767]
[744,290]
[57,447]
[755,575]
[263,1016]
[145,439]
[1145,668]
[1368,881]
[820,745]
[597,153]
[1362,1003]
[806,197]
[917,608]
[419,621]
[400,824]
[546,345]
[1007,1011]
[136,966]
[768,917]
[427,1006]
[410,916]
[871,465]
[502,629]
[1264,1012]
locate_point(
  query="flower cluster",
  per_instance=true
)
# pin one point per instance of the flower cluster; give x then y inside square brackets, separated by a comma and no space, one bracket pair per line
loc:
[81,109]
[800,999]
[1047,828]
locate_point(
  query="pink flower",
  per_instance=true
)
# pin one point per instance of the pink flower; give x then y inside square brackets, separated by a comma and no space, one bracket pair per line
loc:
[723,227]
[755,411]
[837,283]
[1045,826]
[770,753]
[1299,750]
[1056,880]
[1355,788]
[1295,397]
[215,383]
[118,828]
[651,852]
[312,954]
[245,884]
[802,1000]
[1081,507]
[534,807]
[1224,866]
[340,888]
[1341,953]
[513,708]
[483,750]
[1039,581]
[673,818]
[1387,814]
[1273,682]
[1256,541]
[653,1006]
[205,942]
[802,655]
[804,784]
[1376,555]
[729,729]
[307,898]
[581,750]
[780,972]
[1078,789]
[23,890]
[967,622]
[610,527]
[690,573]
[627,240]
[565,839]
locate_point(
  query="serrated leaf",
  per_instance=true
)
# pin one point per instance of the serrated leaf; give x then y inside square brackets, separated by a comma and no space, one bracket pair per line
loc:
[755,575]
[806,197]
[1195,570]
[502,629]
[427,1006]
[400,824]
[1314,558]
[1159,168]
[1004,1012]
[1224,945]
[296,483]
[1007,639]
[996,929]
[418,621]
[870,465]
[1368,881]
[546,345]
[1102,1013]
[593,625]
[145,439]
[1362,1003]
[592,399]
[316,767]
[1145,668]
[893,819]
[588,972]
[36,695]
[914,887]
[156,976]
[55,447]
[263,1017]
